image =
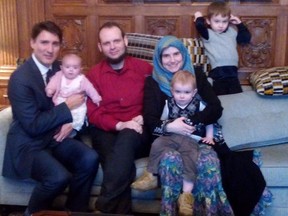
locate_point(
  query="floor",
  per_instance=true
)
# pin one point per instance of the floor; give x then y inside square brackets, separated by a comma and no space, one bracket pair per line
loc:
[18,211]
[12,210]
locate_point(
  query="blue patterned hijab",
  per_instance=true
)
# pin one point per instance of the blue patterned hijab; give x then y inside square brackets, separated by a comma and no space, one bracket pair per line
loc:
[160,74]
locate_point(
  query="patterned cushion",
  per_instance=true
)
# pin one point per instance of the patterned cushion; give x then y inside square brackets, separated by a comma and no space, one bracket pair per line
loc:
[271,81]
[196,50]
[142,46]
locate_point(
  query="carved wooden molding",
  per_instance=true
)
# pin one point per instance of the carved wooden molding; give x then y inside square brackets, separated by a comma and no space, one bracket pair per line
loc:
[126,23]
[259,53]
[69,1]
[162,26]
[73,34]
[74,37]
[117,1]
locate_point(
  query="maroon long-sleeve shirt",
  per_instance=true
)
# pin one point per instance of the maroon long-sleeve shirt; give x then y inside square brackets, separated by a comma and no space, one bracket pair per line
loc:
[122,92]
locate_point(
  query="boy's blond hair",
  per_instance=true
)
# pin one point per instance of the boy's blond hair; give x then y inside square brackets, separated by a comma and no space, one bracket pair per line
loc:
[218,8]
[184,77]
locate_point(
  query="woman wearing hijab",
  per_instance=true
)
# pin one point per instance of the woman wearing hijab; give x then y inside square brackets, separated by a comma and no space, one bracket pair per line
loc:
[171,56]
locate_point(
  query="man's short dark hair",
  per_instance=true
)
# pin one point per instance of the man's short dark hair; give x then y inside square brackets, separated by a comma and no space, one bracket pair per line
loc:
[111,24]
[46,26]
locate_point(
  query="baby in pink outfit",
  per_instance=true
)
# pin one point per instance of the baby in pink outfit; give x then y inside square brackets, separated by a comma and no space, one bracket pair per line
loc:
[68,81]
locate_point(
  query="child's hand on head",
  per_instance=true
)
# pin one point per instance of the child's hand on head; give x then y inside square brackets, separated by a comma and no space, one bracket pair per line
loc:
[197,15]
[234,19]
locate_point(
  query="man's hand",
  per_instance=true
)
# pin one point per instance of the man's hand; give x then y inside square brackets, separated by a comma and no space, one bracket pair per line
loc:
[75,100]
[139,119]
[65,130]
[131,125]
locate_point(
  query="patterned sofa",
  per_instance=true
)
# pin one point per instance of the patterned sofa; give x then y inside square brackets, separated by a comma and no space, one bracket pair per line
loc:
[249,121]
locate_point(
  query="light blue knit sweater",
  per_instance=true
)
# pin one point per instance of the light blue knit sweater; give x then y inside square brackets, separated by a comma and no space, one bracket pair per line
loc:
[221,48]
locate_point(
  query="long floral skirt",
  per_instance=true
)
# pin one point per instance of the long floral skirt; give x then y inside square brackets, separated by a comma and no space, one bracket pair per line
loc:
[210,198]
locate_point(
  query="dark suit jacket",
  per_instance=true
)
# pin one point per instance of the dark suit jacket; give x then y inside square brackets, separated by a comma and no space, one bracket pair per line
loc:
[35,119]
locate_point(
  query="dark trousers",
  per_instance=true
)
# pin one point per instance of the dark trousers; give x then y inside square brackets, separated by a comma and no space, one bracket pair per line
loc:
[227,86]
[69,163]
[117,151]
[242,179]
[225,80]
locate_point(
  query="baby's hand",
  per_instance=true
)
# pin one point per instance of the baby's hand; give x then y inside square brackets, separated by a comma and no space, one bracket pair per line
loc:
[234,20]
[208,140]
[98,100]
[49,92]
[197,14]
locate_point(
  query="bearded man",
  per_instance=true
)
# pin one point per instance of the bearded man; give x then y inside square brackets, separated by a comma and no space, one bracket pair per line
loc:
[116,125]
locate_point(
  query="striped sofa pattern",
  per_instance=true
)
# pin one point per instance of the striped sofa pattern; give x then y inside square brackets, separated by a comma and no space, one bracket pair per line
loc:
[142,46]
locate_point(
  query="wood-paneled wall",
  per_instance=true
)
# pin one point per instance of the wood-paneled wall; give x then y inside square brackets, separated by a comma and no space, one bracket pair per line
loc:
[80,20]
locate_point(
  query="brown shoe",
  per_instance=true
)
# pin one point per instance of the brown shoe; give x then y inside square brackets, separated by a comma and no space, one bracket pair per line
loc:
[145,182]
[185,204]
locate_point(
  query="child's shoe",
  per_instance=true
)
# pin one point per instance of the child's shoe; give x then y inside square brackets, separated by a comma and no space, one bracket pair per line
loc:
[185,204]
[145,182]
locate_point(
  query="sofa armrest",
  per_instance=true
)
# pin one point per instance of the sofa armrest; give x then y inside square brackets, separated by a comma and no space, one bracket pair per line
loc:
[5,120]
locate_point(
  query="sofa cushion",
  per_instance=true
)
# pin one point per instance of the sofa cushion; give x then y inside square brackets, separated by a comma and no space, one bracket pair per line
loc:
[143,45]
[271,81]
[250,120]
[275,165]
[275,171]
[5,119]
[195,48]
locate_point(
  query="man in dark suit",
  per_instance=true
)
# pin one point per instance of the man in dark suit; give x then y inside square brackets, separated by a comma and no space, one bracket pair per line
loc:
[37,144]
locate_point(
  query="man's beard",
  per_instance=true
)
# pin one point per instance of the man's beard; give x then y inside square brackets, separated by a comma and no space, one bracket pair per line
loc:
[117,60]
